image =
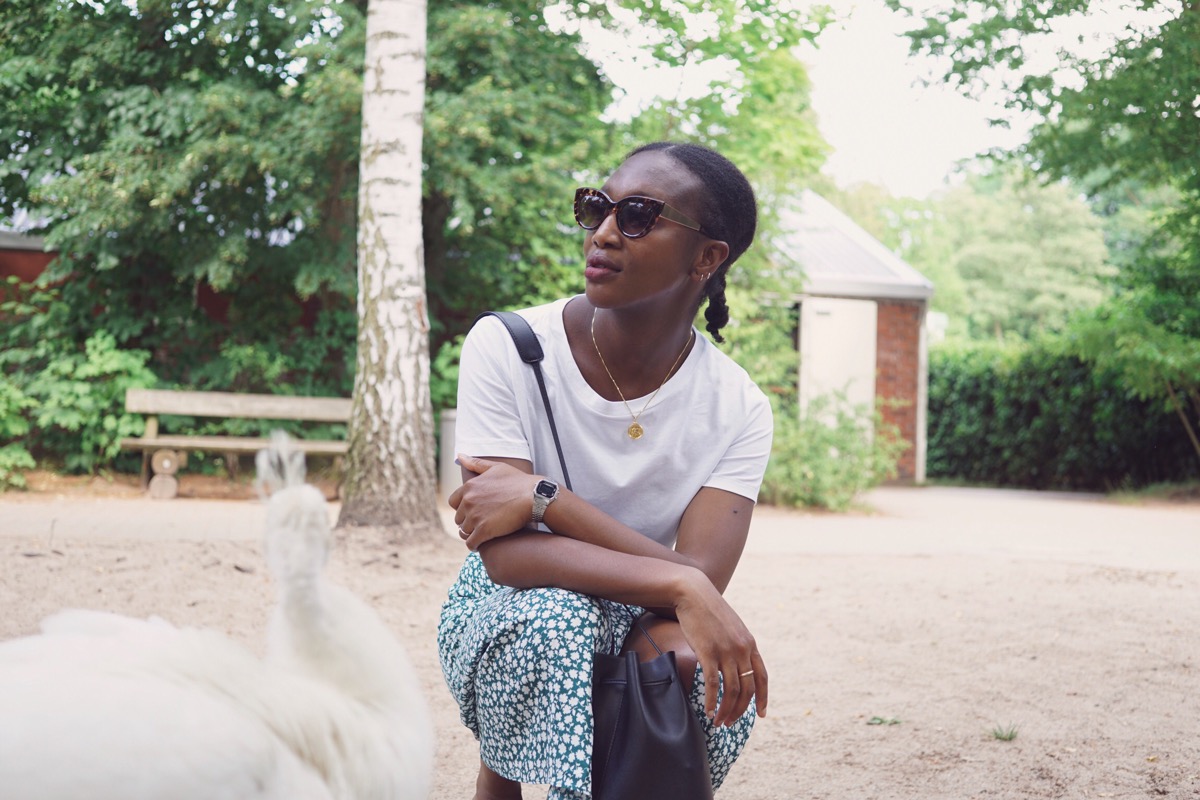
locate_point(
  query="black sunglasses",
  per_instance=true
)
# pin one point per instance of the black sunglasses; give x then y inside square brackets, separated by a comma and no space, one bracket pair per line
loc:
[635,215]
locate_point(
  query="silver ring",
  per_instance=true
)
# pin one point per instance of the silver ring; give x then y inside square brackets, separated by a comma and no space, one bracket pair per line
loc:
[462,532]
[746,673]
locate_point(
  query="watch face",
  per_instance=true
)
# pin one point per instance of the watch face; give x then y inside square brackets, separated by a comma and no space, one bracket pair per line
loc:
[546,489]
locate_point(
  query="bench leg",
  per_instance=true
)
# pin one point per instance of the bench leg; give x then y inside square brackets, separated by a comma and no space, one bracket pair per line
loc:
[164,485]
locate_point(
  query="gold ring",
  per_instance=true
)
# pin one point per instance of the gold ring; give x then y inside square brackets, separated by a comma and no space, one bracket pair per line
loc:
[744,674]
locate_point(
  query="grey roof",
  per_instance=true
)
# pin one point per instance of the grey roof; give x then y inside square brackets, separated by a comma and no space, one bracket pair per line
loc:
[841,259]
[11,240]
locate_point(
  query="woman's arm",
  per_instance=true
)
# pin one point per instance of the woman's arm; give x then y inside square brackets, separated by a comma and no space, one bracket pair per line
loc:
[496,499]
[591,553]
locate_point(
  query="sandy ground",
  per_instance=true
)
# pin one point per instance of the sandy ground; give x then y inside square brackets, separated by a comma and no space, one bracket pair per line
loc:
[942,616]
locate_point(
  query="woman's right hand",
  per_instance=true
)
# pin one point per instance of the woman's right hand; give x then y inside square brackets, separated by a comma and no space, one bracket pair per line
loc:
[725,650]
[496,502]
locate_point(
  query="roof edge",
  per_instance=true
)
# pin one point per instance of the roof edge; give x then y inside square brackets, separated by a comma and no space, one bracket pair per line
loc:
[12,240]
[868,289]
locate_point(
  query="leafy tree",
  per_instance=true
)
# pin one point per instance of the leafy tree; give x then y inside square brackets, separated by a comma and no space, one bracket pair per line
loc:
[1009,257]
[1116,116]
[1116,112]
[57,396]
[172,150]
[196,164]
[1029,255]
[513,114]
[916,230]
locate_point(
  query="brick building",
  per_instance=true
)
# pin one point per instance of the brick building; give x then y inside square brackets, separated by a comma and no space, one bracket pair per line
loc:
[862,322]
[22,256]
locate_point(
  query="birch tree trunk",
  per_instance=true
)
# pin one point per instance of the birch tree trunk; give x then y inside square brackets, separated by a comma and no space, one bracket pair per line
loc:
[391,474]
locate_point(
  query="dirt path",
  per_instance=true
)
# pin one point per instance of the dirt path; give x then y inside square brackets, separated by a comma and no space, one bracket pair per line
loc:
[945,616]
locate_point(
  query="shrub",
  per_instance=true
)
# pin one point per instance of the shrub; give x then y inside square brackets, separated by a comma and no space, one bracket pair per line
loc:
[1035,416]
[830,454]
[79,398]
[13,425]
[66,398]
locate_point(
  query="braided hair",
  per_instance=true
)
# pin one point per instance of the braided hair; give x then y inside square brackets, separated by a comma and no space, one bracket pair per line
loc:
[727,211]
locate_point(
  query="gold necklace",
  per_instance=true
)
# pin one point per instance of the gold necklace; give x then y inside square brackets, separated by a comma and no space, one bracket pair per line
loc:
[635,430]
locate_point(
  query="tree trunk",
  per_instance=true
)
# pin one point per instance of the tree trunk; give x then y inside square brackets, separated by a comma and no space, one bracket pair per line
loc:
[391,473]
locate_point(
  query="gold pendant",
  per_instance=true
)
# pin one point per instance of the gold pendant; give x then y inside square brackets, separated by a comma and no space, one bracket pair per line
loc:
[635,431]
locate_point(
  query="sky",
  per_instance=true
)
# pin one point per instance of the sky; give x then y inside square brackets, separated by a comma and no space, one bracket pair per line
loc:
[884,127]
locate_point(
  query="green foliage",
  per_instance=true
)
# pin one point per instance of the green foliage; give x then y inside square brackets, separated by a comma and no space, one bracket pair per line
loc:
[759,113]
[180,150]
[830,454]
[1121,120]
[1009,257]
[883,721]
[80,400]
[66,398]
[196,166]
[13,458]
[514,125]
[1149,333]
[512,112]
[443,381]
[1155,364]
[14,424]
[1036,416]
[74,405]
[1004,733]
[1113,113]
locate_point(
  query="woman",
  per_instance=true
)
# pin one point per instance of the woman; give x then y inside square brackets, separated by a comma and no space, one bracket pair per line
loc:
[666,441]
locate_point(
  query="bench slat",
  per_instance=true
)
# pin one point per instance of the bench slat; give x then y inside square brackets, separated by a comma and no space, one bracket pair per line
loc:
[232,444]
[230,404]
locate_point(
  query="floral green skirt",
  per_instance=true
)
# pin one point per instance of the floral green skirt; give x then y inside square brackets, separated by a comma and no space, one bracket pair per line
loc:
[519,664]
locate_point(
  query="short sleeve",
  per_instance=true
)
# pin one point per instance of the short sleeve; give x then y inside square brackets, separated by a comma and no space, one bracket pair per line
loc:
[488,422]
[744,463]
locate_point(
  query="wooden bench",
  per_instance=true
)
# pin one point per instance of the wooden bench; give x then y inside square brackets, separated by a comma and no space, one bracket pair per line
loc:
[164,454]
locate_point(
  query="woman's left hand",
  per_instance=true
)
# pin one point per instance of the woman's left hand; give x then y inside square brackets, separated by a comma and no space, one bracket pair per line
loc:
[726,652]
[496,502]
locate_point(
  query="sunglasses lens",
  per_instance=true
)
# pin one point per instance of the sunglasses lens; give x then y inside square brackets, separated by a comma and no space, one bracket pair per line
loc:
[636,216]
[591,209]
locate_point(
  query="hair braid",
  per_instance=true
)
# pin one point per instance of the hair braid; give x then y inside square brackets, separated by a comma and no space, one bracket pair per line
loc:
[717,312]
[727,211]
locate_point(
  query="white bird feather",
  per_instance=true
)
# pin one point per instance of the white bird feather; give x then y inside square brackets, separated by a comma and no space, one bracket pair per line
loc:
[103,706]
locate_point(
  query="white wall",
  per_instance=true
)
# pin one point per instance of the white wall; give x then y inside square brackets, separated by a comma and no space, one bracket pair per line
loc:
[837,349]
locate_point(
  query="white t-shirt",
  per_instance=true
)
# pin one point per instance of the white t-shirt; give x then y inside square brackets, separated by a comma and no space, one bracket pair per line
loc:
[710,425]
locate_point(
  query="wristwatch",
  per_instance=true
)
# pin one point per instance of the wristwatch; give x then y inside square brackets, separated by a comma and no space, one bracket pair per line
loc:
[545,493]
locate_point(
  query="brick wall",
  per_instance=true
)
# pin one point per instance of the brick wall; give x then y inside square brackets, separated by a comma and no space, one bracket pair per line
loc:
[24,264]
[897,349]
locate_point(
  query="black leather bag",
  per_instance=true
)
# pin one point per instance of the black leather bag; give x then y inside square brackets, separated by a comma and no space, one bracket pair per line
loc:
[647,744]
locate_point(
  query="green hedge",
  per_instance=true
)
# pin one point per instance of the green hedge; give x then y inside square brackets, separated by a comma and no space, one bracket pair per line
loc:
[1032,416]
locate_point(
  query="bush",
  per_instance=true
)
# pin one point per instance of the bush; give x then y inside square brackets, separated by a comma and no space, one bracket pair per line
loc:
[831,454]
[72,378]
[66,399]
[1034,416]
[13,425]
[79,398]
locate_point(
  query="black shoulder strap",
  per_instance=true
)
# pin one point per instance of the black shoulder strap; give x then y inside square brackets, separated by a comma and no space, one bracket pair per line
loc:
[531,353]
[529,348]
